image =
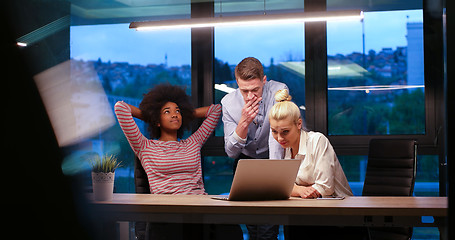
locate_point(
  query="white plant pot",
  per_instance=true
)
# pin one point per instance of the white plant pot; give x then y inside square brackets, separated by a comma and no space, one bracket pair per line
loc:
[103,186]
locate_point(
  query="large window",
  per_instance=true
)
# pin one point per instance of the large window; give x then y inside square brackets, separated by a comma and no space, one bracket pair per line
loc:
[375,75]
[127,63]
[375,83]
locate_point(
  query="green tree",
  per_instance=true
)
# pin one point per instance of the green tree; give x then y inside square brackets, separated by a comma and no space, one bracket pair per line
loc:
[407,116]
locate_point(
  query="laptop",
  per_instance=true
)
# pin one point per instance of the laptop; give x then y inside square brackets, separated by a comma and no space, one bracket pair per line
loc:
[263,179]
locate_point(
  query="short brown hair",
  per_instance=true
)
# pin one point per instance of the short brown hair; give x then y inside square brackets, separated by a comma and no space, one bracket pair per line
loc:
[249,68]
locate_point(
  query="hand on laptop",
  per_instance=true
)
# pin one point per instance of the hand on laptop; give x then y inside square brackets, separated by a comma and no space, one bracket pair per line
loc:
[304,192]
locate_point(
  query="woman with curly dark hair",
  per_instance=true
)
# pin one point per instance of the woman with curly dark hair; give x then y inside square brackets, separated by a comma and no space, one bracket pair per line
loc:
[172,164]
[154,100]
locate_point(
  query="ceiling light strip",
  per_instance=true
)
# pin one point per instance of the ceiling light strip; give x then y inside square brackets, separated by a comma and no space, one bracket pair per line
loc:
[249,20]
[375,88]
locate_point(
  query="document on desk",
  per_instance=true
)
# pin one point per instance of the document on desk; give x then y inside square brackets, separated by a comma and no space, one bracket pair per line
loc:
[330,198]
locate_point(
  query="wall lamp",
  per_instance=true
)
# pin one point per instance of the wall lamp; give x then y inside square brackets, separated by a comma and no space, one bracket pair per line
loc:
[249,20]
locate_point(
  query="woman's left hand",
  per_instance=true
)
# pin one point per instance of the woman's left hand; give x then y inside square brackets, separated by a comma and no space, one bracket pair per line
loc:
[305,192]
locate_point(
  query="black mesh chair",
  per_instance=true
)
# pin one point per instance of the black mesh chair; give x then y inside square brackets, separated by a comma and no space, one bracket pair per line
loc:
[141,184]
[391,171]
[141,181]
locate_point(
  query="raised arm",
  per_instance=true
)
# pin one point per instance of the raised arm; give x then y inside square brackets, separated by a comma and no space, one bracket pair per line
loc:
[123,111]
[135,112]
[201,112]
[212,115]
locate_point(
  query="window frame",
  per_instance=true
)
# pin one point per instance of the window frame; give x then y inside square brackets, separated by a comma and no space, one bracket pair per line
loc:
[430,143]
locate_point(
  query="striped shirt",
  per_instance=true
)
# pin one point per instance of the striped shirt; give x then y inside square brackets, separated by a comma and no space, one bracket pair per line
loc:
[172,167]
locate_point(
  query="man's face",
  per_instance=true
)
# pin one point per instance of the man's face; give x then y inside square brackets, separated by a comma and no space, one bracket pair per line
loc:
[251,88]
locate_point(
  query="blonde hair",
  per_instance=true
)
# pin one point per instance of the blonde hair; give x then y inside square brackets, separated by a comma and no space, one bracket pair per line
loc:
[284,108]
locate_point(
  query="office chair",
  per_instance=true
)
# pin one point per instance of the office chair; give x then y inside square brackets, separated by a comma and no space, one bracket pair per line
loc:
[391,171]
[141,184]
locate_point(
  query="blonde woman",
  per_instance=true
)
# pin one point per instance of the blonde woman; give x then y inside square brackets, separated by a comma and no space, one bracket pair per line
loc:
[320,173]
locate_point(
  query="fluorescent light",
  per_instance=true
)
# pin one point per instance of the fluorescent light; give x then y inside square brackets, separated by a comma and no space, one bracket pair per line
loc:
[375,88]
[249,20]
[21,44]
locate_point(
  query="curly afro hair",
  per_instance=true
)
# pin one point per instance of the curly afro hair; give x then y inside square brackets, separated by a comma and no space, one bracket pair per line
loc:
[155,99]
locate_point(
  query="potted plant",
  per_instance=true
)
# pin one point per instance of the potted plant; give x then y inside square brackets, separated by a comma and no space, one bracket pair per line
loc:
[103,175]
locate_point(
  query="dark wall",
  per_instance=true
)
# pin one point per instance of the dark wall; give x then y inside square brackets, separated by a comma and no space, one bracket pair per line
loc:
[43,202]
[25,16]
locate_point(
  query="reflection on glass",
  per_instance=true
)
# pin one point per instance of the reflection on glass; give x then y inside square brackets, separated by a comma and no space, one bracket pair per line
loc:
[375,75]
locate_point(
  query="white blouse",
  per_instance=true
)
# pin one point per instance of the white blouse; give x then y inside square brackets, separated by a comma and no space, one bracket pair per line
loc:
[320,167]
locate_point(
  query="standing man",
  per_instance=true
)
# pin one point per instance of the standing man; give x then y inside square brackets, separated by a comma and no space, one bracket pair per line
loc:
[247,126]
